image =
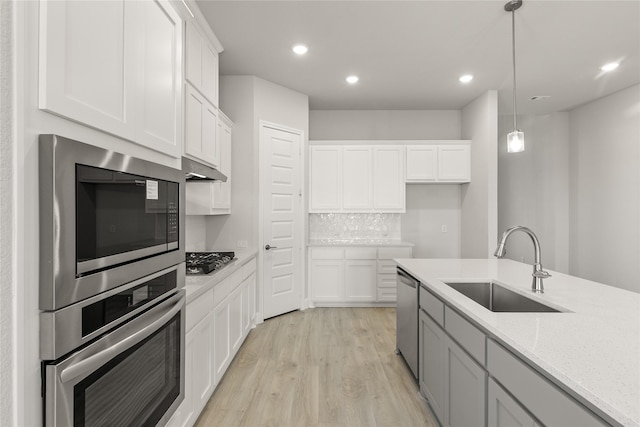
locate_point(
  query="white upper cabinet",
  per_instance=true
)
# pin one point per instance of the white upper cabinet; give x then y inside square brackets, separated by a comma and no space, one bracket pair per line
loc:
[159,65]
[201,64]
[115,66]
[200,131]
[438,162]
[325,177]
[356,178]
[356,186]
[454,163]
[388,178]
[213,198]
[422,163]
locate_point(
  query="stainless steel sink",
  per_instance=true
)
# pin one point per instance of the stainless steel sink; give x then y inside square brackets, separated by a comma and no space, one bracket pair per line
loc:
[497,298]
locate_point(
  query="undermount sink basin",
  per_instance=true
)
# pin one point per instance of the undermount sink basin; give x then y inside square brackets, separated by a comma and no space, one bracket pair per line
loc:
[500,299]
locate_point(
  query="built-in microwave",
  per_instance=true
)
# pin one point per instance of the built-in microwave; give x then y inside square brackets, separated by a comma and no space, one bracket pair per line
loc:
[106,219]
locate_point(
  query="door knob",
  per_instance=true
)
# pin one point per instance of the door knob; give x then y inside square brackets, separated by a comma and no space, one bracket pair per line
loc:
[270,247]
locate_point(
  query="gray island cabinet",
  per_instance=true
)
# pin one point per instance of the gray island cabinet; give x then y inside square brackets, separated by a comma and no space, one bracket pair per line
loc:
[482,368]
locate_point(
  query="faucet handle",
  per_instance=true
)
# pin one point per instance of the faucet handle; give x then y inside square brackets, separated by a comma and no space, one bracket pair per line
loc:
[541,274]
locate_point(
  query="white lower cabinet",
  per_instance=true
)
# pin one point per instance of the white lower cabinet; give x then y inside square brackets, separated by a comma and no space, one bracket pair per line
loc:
[360,280]
[354,275]
[221,342]
[217,323]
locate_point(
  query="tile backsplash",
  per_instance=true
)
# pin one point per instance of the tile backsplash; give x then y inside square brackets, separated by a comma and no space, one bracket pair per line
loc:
[354,226]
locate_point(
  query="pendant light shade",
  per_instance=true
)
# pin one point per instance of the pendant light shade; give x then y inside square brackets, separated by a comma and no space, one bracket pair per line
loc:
[515,139]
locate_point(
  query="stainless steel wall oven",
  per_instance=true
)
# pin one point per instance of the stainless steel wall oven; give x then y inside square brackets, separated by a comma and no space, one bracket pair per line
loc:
[112,329]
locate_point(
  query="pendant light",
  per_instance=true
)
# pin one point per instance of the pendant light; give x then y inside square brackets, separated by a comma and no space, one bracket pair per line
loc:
[515,138]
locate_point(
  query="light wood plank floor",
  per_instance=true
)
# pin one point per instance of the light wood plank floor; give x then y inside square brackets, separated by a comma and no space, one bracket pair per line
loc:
[319,367]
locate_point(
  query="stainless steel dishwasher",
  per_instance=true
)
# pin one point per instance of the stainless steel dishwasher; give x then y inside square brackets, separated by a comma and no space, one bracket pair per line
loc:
[407,319]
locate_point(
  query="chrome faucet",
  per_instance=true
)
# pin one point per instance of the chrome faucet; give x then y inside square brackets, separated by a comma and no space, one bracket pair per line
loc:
[538,272]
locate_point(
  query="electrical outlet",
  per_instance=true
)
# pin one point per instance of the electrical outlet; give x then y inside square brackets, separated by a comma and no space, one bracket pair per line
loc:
[443,228]
[242,243]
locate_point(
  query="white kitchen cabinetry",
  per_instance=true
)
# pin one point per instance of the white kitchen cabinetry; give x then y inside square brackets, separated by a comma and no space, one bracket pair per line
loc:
[115,66]
[438,162]
[325,179]
[388,179]
[386,288]
[360,274]
[201,127]
[356,178]
[199,378]
[344,276]
[214,198]
[217,323]
[201,62]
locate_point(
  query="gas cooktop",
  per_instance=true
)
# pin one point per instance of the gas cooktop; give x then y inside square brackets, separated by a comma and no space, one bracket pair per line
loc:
[206,262]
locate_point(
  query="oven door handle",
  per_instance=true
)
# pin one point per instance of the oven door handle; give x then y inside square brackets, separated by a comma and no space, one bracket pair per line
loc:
[93,362]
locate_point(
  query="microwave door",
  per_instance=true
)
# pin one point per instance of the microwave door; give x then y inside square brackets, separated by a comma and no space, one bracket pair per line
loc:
[120,217]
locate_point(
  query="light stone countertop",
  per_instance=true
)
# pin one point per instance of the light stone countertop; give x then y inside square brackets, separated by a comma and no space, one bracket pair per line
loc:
[196,285]
[359,242]
[592,351]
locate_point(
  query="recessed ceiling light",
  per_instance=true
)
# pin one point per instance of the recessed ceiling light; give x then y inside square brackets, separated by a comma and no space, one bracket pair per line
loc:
[352,79]
[610,66]
[466,78]
[300,49]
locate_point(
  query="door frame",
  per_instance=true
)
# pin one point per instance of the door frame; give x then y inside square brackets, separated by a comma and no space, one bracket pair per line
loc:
[303,211]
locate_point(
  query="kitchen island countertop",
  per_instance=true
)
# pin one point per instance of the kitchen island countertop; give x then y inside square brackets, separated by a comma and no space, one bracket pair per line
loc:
[360,242]
[196,285]
[592,351]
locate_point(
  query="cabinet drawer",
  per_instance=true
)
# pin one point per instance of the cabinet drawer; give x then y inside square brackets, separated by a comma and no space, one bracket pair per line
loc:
[543,399]
[467,335]
[386,294]
[360,253]
[198,309]
[391,253]
[326,253]
[387,281]
[387,267]
[226,287]
[432,306]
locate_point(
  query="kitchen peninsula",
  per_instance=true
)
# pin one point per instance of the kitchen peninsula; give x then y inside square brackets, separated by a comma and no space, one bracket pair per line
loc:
[588,353]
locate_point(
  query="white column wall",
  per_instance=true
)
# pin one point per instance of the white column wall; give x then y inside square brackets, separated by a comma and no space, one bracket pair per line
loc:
[479,208]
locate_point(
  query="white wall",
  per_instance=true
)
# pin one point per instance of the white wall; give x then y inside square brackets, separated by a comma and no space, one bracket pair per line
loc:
[577,186]
[479,208]
[384,124]
[247,100]
[605,190]
[428,206]
[7,284]
[533,188]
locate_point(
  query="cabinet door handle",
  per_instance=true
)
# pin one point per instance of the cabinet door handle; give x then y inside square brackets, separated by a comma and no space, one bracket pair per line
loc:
[267,247]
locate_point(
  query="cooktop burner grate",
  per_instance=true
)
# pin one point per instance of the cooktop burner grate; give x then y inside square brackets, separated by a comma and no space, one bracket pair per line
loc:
[206,262]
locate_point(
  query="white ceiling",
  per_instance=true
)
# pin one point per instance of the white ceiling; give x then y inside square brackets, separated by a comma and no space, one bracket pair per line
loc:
[409,54]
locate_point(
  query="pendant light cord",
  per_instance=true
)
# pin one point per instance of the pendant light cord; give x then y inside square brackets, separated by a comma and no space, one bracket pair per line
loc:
[513,47]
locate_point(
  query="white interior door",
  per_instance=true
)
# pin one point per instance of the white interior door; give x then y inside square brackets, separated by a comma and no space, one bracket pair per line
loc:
[282,222]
